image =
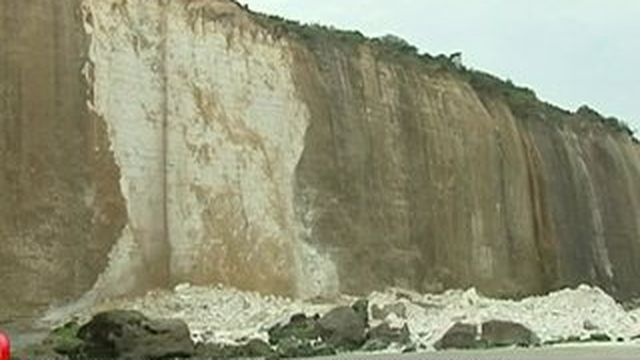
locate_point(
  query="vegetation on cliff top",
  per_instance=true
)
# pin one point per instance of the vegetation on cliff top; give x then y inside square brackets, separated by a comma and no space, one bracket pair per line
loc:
[525,104]
[522,101]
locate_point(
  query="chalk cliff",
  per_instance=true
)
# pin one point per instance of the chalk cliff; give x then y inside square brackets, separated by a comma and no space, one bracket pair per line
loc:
[147,143]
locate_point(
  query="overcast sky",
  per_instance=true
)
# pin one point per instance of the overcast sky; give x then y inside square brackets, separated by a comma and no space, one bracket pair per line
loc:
[571,52]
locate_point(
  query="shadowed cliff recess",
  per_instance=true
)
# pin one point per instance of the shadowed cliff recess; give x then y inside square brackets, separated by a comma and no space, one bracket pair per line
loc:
[148,143]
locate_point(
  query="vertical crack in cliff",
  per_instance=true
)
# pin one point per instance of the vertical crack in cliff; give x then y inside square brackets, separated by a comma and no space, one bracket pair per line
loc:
[164,276]
[137,257]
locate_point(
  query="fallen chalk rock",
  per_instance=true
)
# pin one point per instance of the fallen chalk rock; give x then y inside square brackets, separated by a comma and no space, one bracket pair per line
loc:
[382,312]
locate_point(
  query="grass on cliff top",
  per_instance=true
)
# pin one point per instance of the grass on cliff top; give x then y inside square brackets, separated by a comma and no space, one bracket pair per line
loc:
[522,101]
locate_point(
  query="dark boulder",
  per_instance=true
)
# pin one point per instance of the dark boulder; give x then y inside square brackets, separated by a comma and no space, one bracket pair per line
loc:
[130,335]
[212,351]
[567,340]
[300,337]
[411,348]
[298,348]
[599,337]
[375,345]
[383,335]
[361,307]
[343,328]
[497,333]
[459,336]
[253,349]
[299,327]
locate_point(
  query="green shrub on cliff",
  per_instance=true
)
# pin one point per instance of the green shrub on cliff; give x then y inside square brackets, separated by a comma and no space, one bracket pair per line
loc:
[522,101]
[612,122]
[396,44]
[525,104]
[308,32]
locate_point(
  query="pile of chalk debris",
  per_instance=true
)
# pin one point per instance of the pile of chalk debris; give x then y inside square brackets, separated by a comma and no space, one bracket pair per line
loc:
[223,323]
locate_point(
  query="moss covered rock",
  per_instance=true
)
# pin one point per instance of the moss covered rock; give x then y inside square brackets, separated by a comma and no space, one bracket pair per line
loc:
[64,340]
[299,327]
[130,335]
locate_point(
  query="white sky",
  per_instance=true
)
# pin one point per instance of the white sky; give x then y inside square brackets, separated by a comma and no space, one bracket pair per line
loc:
[571,52]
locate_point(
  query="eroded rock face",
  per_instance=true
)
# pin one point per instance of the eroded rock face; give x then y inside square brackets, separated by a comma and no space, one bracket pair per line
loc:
[432,184]
[61,205]
[149,143]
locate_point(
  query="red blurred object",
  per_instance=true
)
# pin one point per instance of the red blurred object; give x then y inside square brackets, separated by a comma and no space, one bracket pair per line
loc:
[5,347]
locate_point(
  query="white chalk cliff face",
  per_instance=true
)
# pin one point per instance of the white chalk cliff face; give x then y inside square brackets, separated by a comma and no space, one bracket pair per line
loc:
[207,130]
